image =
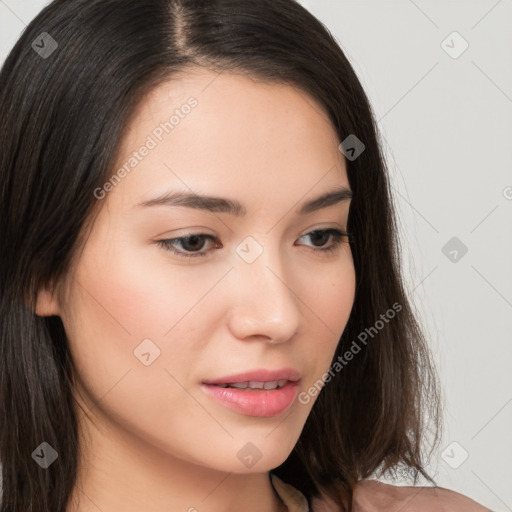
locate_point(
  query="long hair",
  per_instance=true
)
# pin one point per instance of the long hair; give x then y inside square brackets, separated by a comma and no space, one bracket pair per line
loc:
[67,89]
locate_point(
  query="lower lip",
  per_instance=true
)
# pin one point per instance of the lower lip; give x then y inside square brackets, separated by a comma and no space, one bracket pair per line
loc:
[263,403]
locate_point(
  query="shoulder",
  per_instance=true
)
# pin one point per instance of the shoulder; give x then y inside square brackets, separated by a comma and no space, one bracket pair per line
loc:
[373,496]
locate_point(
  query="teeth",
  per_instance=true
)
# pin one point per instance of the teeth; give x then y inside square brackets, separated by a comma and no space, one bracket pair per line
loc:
[251,385]
[239,385]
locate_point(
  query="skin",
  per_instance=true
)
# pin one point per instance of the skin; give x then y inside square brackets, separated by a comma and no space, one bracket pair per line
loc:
[375,496]
[153,440]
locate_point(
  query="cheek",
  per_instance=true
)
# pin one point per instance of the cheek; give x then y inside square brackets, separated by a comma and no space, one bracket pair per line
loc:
[329,299]
[141,293]
[130,308]
[113,310]
[337,298]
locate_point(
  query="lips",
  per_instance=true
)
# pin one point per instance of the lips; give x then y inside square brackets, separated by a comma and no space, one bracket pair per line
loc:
[261,392]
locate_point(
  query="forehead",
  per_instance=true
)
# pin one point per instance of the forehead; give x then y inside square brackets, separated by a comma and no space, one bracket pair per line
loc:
[204,128]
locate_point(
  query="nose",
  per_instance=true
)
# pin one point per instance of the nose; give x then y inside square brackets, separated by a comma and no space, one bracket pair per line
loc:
[263,301]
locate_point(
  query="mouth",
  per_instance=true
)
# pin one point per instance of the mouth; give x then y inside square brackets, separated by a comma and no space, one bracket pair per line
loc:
[260,393]
[255,385]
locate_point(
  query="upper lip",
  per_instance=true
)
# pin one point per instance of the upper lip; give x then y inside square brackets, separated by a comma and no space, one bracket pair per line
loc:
[258,375]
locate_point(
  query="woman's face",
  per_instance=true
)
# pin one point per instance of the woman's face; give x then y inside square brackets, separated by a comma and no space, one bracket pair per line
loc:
[252,290]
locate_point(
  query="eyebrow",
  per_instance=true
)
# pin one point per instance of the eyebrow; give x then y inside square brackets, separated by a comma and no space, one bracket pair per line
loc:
[234,207]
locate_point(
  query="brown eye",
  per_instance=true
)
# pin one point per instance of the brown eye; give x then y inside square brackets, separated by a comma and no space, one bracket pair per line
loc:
[190,245]
[320,235]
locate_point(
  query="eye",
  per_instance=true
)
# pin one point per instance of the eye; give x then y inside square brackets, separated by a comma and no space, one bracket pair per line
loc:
[192,244]
[339,237]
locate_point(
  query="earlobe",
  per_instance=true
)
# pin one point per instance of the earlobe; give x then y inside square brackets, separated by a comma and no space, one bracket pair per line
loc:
[46,304]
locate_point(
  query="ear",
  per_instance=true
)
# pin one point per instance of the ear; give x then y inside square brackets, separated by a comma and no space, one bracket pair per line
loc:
[47,304]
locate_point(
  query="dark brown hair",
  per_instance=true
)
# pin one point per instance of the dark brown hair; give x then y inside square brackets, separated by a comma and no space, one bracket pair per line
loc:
[61,122]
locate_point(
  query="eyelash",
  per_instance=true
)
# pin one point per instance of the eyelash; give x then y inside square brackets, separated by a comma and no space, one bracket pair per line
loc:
[336,233]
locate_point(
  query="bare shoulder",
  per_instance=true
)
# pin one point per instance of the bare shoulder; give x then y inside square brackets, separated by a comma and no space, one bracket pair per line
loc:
[373,496]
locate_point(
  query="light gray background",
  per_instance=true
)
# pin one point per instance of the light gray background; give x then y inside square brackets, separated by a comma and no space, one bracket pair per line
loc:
[447,125]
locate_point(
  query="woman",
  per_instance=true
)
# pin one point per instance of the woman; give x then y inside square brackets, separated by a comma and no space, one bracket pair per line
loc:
[277,365]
